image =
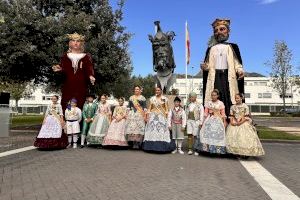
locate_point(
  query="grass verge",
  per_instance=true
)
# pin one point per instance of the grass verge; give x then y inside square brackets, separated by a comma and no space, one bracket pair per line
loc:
[268,133]
[26,120]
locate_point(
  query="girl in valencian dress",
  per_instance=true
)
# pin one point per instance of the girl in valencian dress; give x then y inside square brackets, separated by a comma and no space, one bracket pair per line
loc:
[100,124]
[212,134]
[135,125]
[51,135]
[116,130]
[157,135]
[241,135]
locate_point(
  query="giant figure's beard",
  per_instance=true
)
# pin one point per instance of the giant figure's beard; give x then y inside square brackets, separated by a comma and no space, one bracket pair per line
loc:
[221,38]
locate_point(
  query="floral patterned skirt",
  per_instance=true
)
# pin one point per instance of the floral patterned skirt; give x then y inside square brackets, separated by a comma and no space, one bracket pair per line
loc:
[157,135]
[243,140]
[51,135]
[98,130]
[135,127]
[212,136]
[116,134]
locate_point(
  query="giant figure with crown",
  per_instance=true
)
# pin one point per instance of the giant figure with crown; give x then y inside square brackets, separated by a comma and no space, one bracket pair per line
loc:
[77,68]
[222,67]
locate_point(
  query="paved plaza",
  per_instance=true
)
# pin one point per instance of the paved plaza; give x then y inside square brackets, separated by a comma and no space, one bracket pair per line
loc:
[92,173]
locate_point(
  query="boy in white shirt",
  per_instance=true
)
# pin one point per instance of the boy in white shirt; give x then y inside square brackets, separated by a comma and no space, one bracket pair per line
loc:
[195,116]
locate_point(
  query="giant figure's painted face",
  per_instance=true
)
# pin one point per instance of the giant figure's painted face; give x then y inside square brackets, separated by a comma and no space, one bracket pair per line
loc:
[76,45]
[162,53]
[221,33]
[163,58]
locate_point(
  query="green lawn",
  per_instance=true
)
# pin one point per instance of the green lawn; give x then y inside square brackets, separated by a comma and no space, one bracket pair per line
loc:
[263,132]
[268,133]
[26,120]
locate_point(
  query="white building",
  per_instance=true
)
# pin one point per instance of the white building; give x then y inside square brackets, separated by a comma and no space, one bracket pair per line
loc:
[258,92]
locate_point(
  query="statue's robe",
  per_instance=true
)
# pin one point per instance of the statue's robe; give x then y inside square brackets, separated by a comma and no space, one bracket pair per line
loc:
[231,82]
[75,84]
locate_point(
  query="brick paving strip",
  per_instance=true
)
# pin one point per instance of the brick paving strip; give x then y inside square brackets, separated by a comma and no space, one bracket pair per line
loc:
[17,139]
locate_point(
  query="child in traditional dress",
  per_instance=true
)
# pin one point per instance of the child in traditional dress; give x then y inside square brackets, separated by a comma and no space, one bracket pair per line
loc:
[88,113]
[241,136]
[195,115]
[51,135]
[100,124]
[73,117]
[212,134]
[116,131]
[177,123]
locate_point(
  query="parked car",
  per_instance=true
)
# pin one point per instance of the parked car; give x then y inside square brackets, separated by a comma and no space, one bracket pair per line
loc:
[290,110]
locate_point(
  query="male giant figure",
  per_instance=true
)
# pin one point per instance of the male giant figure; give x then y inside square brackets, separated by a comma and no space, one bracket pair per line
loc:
[222,67]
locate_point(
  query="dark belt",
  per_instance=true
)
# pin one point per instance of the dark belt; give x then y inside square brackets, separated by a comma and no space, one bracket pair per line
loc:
[222,70]
[71,120]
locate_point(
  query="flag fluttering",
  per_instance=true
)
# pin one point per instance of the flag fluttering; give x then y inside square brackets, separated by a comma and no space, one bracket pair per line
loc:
[187,44]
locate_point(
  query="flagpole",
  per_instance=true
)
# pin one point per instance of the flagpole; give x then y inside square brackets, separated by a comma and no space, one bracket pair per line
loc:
[186,64]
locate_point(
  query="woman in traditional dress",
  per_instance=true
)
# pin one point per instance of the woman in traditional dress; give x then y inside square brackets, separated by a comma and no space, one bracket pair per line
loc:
[100,124]
[241,135]
[212,134]
[51,135]
[116,131]
[157,135]
[135,125]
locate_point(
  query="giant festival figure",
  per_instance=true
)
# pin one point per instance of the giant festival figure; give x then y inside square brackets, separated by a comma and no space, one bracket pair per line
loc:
[222,67]
[163,57]
[77,68]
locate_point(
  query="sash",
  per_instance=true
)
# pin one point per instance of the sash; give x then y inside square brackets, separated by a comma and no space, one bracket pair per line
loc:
[158,107]
[137,106]
[54,113]
[216,112]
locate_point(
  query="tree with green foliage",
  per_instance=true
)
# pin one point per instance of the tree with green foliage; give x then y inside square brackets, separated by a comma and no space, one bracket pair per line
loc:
[281,69]
[17,89]
[33,37]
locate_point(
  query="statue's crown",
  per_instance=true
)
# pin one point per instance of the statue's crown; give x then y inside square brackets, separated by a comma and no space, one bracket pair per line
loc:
[219,22]
[75,36]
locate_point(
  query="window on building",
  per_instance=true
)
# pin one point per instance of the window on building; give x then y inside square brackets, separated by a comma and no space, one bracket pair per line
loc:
[29,98]
[267,95]
[287,95]
[259,95]
[263,83]
[247,95]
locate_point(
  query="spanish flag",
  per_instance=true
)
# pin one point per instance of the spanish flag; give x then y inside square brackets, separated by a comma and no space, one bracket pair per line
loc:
[187,44]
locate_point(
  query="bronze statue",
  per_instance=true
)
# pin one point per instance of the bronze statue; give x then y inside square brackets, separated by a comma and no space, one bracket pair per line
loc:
[163,57]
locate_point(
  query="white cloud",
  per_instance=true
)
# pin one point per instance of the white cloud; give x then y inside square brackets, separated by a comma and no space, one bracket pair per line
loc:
[268,1]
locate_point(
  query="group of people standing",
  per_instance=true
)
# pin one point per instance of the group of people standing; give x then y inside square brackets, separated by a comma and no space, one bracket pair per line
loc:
[154,128]
[223,125]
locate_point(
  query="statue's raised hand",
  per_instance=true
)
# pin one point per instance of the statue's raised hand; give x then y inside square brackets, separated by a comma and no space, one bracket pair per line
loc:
[56,68]
[204,66]
[92,79]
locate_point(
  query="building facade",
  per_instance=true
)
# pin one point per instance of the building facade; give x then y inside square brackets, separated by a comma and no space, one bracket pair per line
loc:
[259,94]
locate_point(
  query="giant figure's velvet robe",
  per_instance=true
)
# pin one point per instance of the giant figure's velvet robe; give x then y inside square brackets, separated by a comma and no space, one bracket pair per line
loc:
[75,85]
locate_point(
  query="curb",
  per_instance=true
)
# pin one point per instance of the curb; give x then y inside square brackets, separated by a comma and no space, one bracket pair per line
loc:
[23,131]
[280,141]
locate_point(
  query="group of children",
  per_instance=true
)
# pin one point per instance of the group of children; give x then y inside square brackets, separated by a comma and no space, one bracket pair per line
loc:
[156,128]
